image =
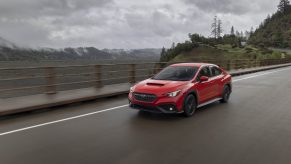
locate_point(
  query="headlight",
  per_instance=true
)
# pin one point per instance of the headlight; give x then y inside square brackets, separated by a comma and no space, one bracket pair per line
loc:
[173,94]
[131,89]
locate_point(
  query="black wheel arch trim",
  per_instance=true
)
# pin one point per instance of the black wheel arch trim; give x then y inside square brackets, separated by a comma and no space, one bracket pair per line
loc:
[230,86]
[194,92]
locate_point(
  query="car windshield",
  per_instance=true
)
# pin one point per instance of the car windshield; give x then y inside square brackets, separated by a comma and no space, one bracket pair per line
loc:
[177,73]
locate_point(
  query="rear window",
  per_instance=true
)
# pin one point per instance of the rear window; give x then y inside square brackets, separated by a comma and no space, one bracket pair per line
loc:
[177,73]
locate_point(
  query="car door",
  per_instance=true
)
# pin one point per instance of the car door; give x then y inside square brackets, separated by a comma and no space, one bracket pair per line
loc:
[204,89]
[216,78]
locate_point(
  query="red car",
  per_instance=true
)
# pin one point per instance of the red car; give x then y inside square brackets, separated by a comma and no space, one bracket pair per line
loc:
[181,88]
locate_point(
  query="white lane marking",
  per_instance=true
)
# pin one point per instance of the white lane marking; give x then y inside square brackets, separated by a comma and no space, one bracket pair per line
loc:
[109,109]
[62,120]
[249,77]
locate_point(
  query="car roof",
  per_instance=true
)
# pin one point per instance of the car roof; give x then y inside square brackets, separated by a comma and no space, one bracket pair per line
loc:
[191,64]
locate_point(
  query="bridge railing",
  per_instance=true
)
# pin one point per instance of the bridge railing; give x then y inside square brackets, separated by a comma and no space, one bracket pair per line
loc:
[24,81]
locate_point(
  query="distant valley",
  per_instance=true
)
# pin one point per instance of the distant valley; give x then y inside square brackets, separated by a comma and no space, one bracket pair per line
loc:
[11,52]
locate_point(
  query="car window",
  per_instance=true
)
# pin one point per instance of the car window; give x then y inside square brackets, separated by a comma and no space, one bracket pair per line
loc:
[215,71]
[177,73]
[204,72]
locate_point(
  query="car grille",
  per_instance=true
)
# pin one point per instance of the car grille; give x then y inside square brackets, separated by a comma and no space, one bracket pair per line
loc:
[144,97]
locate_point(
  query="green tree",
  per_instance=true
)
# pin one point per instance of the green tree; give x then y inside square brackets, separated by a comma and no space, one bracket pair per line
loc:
[283,6]
[163,54]
[219,28]
[252,30]
[214,27]
[232,31]
[173,45]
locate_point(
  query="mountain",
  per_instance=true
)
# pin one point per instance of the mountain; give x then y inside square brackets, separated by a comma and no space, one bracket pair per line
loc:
[146,54]
[275,31]
[87,53]
[10,52]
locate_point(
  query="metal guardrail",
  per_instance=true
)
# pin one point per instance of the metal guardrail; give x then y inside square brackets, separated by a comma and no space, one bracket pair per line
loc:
[50,80]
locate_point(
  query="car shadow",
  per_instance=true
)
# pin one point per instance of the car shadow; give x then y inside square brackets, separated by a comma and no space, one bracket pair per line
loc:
[159,116]
[209,107]
[152,123]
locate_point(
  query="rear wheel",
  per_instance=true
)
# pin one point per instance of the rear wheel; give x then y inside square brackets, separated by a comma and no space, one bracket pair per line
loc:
[189,105]
[225,94]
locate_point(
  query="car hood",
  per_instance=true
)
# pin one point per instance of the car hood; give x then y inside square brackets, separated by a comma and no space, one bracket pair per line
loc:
[158,87]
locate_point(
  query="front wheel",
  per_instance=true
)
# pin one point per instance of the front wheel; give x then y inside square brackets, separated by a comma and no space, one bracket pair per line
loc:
[225,94]
[189,105]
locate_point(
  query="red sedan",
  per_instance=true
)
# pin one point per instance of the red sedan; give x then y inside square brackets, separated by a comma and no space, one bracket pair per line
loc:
[182,88]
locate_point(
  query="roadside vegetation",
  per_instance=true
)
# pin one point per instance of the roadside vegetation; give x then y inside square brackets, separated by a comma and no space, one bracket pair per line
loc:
[275,30]
[253,45]
[227,52]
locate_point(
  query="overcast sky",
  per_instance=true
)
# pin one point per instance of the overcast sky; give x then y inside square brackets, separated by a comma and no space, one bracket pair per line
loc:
[122,23]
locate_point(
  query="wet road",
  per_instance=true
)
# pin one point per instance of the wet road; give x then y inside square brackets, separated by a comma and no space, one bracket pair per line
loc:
[254,127]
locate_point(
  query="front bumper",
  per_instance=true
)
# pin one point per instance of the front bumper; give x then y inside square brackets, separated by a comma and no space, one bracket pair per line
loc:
[161,104]
[165,108]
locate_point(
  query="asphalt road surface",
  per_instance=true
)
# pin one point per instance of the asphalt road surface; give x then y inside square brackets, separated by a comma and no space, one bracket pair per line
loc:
[254,127]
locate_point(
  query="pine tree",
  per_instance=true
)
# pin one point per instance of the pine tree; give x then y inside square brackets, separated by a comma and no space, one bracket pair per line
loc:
[163,51]
[283,5]
[268,19]
[163,54]
[232,31]
[214,27]
[252,31]
[173,45]
[219,28]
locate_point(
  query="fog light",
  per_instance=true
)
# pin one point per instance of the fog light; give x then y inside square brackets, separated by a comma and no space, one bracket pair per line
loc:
[171,109]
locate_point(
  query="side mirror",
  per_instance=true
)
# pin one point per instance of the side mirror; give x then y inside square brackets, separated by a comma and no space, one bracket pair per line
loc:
[204,78]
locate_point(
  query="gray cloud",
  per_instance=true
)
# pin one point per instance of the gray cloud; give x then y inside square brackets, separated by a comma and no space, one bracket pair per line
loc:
[36,8]
[233,6]
[121,23]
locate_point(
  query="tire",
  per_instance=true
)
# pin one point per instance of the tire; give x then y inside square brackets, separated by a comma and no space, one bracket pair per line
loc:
[189,105]
[225,94]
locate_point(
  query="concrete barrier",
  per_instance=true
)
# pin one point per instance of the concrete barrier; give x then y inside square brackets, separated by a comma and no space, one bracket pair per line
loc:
[34,102]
